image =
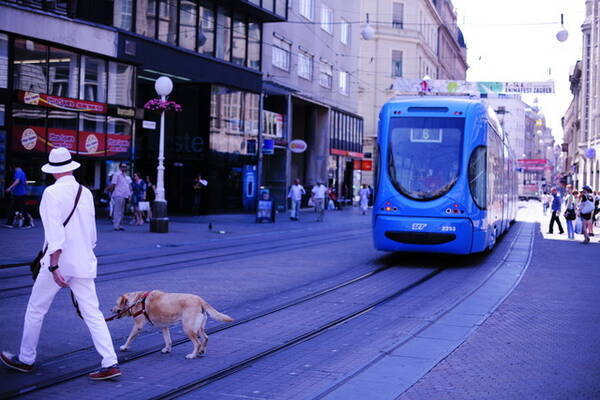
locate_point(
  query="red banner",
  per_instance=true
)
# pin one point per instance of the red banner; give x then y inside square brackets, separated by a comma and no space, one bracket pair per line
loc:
[367,165]
[62,138]
[92,144]
[118,145]
[63,103]
[28,139]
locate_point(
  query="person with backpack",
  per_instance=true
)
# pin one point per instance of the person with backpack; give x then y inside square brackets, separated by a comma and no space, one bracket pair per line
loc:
[586,210]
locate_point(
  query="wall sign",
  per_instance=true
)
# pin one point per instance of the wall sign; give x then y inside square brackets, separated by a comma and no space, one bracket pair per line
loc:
[297,146]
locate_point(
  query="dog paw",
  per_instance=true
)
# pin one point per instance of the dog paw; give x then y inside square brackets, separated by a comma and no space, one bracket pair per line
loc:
[123,348]
[190,356]
[165,350]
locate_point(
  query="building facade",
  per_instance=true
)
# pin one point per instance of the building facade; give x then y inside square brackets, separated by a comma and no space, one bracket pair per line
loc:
[78,73]
[582,119]
[412,39]
[311,82]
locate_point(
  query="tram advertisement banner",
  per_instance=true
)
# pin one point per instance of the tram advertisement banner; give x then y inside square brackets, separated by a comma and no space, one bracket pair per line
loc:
[66,138]
[63,103]
[405,85]
[28,139]
[118,146]
[92,144]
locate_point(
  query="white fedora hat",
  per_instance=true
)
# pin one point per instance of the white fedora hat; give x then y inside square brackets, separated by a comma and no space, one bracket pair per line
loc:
[60,161]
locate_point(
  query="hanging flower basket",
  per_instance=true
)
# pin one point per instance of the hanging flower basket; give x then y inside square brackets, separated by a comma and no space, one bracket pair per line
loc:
[162,105]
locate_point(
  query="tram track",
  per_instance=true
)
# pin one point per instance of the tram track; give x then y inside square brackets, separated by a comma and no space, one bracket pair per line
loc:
[164,266]
[131,356]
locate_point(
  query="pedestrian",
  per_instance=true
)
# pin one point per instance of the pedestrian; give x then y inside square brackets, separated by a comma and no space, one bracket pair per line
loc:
[333,198]
[546,199]
[17,191]
[586,210]
[121,191]
[570,212]
[197,187]
[150,196]
[69,261]
[371,195]
[319,192]
[556,203]
[295,195]
[138,193]
[364,193]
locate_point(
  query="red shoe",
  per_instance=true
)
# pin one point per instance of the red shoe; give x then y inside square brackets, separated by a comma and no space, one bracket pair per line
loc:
[106,373]
[12,361]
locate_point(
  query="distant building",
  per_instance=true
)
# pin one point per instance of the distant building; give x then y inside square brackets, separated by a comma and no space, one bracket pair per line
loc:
[412,39]
[311,82]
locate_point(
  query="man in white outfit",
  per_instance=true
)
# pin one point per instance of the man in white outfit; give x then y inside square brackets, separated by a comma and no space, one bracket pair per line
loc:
[70,262]
[295,194]
[319,192]
[121,191]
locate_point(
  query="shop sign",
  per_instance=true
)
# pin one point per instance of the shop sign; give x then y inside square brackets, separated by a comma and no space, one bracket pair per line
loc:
[297,146]
[125,112]
[337,152]
[62,138]
[367,165]
[118,145]
[354,154]
[92,144]
[268,146]
[149,125]
[356,164]
[28,138]
[63,103]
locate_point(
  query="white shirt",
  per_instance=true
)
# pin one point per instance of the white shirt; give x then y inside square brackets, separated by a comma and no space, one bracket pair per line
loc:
[296,192]
[122,185]
[78,239]
[319,191]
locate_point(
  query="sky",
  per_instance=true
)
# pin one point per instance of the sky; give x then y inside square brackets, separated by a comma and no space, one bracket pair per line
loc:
[515,40]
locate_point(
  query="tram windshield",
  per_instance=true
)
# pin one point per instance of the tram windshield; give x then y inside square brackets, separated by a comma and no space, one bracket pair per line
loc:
[424,155]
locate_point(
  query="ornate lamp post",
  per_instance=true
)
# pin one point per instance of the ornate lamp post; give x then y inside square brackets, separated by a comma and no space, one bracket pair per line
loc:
[160,221]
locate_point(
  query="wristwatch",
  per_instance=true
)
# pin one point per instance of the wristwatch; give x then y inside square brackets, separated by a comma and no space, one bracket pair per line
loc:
[52,268]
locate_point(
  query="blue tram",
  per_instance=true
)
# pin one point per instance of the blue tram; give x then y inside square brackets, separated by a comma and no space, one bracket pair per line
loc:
[445,179]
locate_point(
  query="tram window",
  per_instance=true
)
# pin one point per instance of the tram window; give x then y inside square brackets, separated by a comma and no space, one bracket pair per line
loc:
[477,176]
[424,155]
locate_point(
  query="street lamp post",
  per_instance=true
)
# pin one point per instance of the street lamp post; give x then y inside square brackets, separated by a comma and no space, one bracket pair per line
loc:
[160,222]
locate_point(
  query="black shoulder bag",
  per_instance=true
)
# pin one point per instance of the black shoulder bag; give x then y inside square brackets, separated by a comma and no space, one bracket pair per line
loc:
[36,263]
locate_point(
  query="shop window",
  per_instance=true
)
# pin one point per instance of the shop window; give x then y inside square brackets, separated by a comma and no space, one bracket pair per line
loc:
[254,29]
[167,21]
[3,60]
[120,84]
[30,66]
[62,130]
[63,73]
[206,29]
[325,75]
[123,14]
[188,13]
[93,85]
[145,20]
[223,50]
[118,139]
[239,41]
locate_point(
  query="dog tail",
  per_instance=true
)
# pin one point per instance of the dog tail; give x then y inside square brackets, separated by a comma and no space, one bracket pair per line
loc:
[217,315]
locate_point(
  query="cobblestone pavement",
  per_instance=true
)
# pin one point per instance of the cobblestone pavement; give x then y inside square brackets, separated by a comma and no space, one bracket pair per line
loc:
[542,342]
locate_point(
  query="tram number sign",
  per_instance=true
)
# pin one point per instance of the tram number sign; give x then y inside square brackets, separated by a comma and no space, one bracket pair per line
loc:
[426,135]
[447,228]
[418,227]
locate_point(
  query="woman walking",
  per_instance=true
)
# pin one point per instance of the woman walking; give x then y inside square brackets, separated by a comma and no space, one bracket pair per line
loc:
[570,213]
[586,208]
[138,188]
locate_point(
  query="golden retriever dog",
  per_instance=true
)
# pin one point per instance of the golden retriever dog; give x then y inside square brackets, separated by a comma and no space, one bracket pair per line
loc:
[163,310]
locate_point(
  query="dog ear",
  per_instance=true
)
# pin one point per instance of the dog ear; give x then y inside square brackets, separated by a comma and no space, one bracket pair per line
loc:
[123,301]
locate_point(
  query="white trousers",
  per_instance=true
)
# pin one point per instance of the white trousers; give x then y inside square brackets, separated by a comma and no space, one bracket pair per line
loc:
[42,295]
[118,211]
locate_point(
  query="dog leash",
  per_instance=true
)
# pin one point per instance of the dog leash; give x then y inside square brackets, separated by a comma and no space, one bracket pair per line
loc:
[141,300]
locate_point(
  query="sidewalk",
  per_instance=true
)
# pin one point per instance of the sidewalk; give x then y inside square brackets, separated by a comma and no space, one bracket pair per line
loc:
[541,343]
[19,246]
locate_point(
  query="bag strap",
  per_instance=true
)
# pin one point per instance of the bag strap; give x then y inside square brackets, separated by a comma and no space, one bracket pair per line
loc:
[77,197]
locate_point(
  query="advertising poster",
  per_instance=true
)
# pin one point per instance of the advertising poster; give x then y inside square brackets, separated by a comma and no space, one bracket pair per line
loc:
[118,146]
[66,138]
[28,139]
[92,144]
